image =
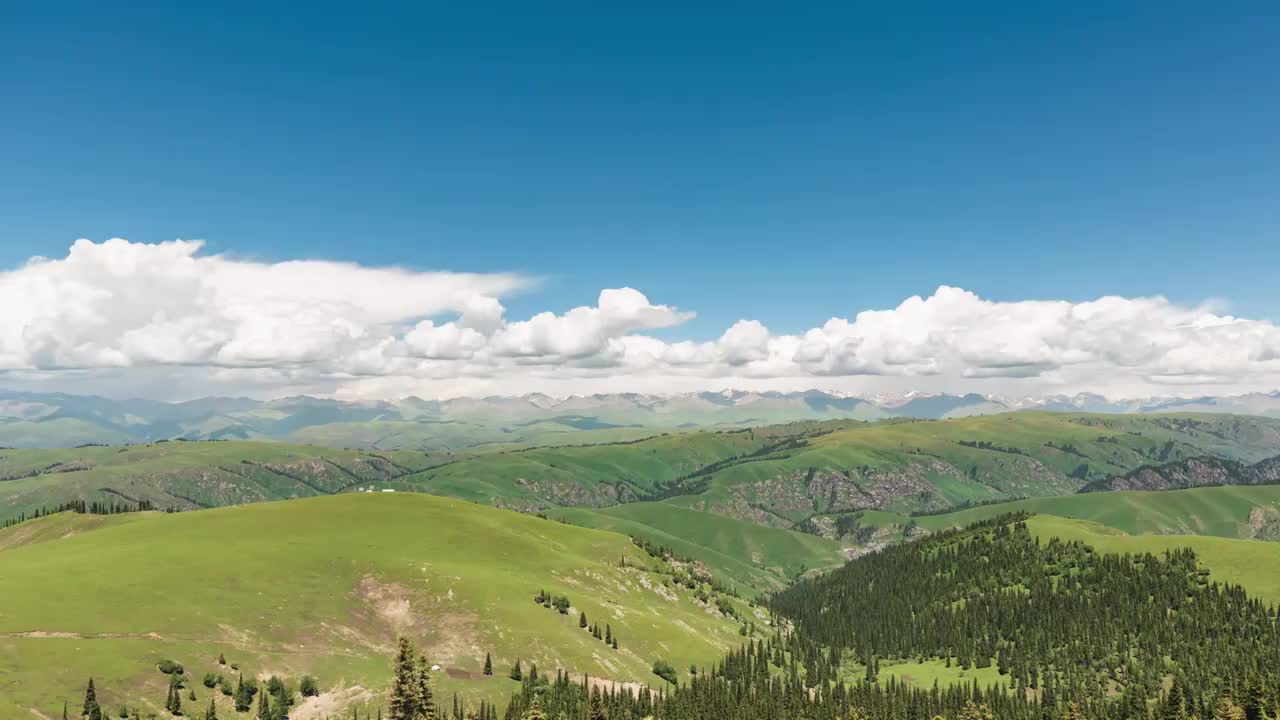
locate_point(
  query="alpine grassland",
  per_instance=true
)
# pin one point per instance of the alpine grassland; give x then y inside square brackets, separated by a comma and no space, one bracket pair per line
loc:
[756,557]
[323,586]
[1251,564]
[1222,511]
[187,475]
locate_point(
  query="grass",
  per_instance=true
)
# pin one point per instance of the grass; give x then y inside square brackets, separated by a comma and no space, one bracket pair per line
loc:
[749,474]
[456,436]
[322,586]
[757,558]
[925,674]
[1253,565]
[192,474]
[1213,511]
[1031,454]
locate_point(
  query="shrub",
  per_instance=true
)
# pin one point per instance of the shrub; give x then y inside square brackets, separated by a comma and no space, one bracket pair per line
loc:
[663,669]
[308,686]
[169,667]
[211,679]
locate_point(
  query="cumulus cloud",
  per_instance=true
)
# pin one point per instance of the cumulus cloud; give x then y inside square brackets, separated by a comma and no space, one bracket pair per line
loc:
[125,310]
[121,304]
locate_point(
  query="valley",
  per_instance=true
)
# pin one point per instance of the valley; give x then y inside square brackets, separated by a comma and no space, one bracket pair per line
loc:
[291,560]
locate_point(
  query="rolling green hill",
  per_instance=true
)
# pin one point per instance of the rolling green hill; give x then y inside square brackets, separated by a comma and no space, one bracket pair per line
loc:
[188,475]
[777,476]
[757,558]
[782,475]
[1215,511]
[323,586]
[1253,565]
[708,494]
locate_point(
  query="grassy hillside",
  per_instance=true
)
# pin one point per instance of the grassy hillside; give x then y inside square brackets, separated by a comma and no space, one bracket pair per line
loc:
[191,474]
[719,483]
[998,602]
[450,436]
[323,585]
[757,558]
[782,475]
[776,476]
[1253,565]
[1214,511]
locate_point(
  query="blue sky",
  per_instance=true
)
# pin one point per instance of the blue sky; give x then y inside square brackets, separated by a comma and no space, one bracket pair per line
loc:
[787,165]
[784,164]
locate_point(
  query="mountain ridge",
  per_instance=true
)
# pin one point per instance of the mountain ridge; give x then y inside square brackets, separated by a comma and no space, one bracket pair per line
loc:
[61,420]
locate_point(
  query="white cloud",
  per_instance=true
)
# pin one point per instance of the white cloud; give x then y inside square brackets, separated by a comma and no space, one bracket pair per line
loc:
[585,331]
[121,311]
[118,303]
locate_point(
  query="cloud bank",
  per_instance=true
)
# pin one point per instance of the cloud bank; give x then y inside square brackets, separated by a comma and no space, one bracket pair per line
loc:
[164,316]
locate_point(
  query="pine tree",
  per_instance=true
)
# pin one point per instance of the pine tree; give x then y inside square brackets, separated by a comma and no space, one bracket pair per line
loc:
[404,686]
[608,634]
[264,706]
[1174,707]
[1227,710]
[535,709]
[244,694]
[91,709]
[516,672]
[974,711]
[488,664]
[596,711]
[426,702]
[212,712]
[1254,698]
[582,620]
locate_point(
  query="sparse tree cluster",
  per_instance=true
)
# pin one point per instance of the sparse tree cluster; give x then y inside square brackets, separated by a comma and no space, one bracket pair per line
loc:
[95,507]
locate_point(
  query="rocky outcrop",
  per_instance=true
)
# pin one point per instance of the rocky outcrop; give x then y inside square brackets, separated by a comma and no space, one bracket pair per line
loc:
[566,493]
[1190,473]
[813,491]
[1264,523]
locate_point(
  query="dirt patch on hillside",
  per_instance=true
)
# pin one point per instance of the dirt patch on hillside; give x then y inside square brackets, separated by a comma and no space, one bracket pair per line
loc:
[389,602]
[331,703]
[62,635]
[607,684]
[453,637]
[387,609]
[460,674]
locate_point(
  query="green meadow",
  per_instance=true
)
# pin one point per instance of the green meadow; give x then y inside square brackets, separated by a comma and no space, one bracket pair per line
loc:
[323,586]
[1252,564]
[758,558]
[1215,511]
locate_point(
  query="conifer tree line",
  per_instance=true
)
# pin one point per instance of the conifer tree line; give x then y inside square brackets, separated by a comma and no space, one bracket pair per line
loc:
[1054,612]
[1070,633]
[1073,634]
[96,507]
